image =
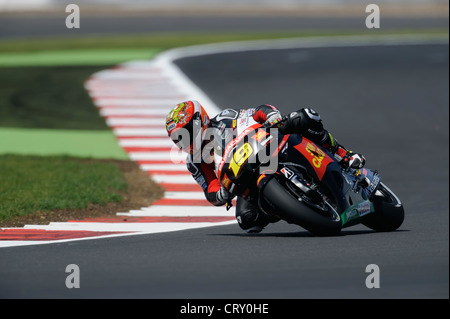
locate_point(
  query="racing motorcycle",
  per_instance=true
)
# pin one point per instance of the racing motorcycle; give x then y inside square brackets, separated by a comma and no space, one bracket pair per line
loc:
[296,180]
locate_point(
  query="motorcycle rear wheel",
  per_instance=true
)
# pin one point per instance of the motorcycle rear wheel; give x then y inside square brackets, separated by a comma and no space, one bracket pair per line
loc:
[282,203]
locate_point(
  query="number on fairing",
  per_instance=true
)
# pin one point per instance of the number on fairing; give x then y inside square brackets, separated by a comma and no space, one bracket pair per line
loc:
[239,158]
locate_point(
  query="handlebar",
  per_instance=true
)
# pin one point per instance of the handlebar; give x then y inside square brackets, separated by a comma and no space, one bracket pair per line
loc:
[283,119]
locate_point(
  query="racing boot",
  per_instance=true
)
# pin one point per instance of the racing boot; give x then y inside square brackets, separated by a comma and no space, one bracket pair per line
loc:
[250,218]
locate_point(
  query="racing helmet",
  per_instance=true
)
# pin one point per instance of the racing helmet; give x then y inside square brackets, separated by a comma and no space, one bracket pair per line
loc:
[186,125]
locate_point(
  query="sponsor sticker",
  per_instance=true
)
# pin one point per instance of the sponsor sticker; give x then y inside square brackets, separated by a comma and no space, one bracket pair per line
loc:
[364,208]
[287,172]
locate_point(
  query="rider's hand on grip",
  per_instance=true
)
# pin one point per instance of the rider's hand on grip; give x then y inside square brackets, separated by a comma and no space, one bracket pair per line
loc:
[349,159]
[273,118]
[357,161]
[223,196]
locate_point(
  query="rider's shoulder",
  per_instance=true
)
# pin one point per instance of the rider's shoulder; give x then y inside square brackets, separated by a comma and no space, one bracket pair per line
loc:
[226,114]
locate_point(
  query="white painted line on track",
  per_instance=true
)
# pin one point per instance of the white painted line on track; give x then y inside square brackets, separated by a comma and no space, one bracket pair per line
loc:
[180,211]
[143,92]
[141,132]
[175,156]
[163,167]
[126,102]
[184,195]
[135,121]
[142,142]
[123,74]
[111,111]
[174,179]
[123,227]
[299,43]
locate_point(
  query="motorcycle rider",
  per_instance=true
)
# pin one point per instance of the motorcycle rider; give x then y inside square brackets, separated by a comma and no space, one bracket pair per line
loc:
[192,117]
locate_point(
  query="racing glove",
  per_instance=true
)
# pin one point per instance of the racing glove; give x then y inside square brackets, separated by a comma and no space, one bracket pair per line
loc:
[273,118]
[223,196]
[349,159]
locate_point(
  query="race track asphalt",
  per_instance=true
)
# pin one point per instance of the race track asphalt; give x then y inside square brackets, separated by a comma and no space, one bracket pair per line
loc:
[388,102]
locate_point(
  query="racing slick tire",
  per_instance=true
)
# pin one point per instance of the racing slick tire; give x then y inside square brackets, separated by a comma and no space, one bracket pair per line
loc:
[279,201]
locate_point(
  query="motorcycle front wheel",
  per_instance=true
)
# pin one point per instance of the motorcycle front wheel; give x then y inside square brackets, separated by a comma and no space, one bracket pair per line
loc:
[389,213]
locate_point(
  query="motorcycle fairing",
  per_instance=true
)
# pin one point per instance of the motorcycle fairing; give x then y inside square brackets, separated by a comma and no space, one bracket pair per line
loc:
[353,214]
[318,159]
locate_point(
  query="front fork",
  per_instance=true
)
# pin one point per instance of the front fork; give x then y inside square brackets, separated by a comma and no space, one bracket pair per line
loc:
[362,184]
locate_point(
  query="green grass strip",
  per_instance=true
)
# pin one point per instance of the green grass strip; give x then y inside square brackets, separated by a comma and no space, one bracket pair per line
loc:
[42,184]
[90,144]
[50,97]
[75,57]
